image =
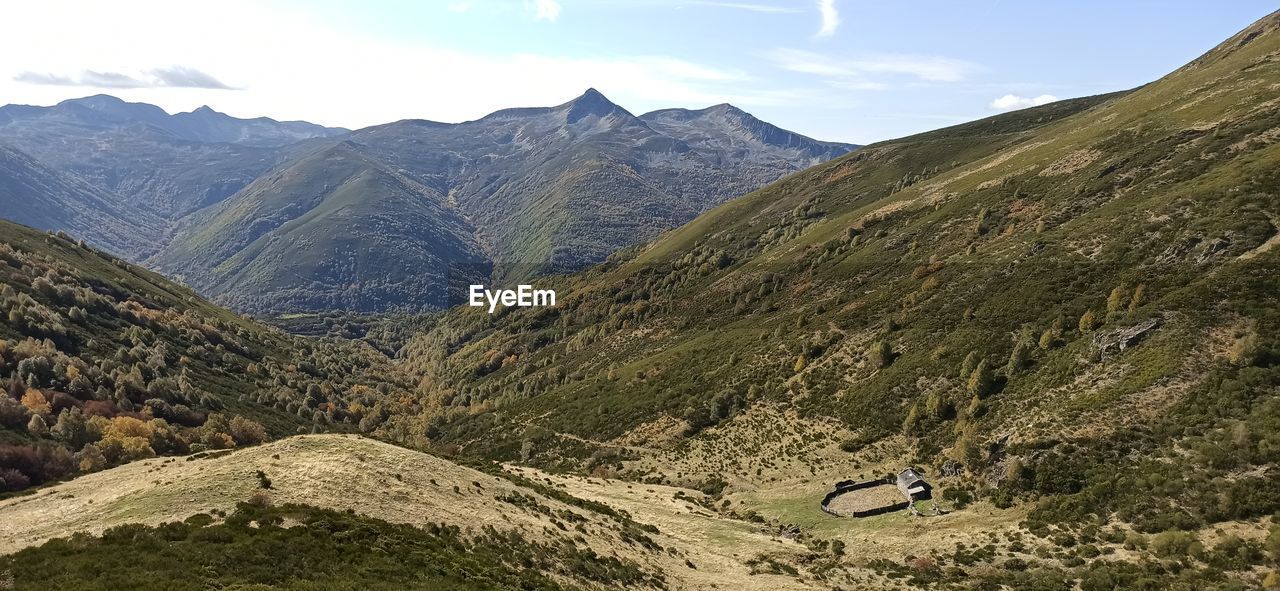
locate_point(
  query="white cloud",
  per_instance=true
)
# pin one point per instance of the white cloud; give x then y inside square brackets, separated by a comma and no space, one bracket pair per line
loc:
[462,6]
[173,77]
[856,73]
[546,10]
[1010,102]
[830,18]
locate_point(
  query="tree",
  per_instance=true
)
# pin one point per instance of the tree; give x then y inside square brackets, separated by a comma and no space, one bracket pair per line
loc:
[981,380]
[1116,299]
[912,421]
[12,414]
[37,427]
[880,354]
[245,431]
[966,449]
[35,402]
[1047,339]
[71,428]
[1087,321]
[939,407]
[800,364]
[970,362]
[1019,356]
[980,223]
[1139,298]
[976,407]
[91,459]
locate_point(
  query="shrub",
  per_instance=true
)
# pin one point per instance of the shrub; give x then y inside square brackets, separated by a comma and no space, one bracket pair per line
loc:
[13,415]
[260,498]
[1172,544]
[37,427]
[879,354]
[245,431]
[91,459]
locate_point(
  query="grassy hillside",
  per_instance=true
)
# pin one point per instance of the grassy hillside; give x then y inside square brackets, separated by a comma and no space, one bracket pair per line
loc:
[1069,308]
[577,532]
[348,233]
[104,362]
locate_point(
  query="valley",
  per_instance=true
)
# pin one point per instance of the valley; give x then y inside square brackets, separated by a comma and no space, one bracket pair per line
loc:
[265,373]
[287,217]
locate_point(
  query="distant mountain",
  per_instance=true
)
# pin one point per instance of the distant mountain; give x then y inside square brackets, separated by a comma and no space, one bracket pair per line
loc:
[34,194]
[165,165]
[201,125]
[545,189]
[727,130]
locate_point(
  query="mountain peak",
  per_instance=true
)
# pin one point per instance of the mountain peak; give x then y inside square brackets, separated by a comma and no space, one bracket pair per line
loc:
[724,108]
[592,102]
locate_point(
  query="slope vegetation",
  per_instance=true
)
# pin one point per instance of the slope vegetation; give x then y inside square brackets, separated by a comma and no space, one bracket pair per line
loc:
[104,363]
[349,234]
[1064,309]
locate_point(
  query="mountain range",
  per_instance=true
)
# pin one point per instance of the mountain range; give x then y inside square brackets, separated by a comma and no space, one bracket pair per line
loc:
[269,216]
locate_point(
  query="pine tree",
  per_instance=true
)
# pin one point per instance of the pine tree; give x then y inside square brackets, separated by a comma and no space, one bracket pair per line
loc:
[1139,298]
[1047,339]
[1019,356]
[1087,321]
[980,381]
[1115,300]
[912,421]
[970,362]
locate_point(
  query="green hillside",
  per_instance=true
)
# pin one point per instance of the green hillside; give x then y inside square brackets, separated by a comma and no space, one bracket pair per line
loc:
[105,363]
[1071,307]
[324,243]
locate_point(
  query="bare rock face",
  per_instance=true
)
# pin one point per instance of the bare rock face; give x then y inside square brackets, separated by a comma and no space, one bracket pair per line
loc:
[1113,342]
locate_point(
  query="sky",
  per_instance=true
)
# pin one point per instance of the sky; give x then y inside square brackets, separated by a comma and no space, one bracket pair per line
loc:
[845,70]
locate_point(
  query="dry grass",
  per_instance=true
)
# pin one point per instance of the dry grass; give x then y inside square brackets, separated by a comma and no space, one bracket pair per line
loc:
[866,499]
[402,486]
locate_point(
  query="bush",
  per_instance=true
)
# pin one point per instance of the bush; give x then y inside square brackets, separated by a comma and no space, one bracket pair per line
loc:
[879,354]
[1172,544]
[245,431]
